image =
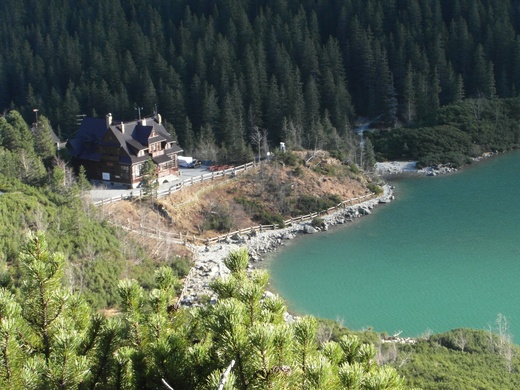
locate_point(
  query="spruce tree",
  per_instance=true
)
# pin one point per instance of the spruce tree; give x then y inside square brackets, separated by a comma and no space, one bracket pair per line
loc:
[369,160]
[149,182]
[44,145]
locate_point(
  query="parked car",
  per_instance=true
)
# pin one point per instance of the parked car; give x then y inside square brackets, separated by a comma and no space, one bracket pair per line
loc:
[188,162]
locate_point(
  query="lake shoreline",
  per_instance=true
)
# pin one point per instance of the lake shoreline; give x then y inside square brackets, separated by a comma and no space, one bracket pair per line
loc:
[209,260]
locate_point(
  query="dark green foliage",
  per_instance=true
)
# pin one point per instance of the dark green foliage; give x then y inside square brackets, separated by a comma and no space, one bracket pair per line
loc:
[369,159]
[181,266]
[218,218]
[463,130]
[338,154]
[306,204]
[327,169]
[318,222]
[258,212]
[93,249]
[43,142]
[288,158]
[375,188]
[149,182]
[255,63]
[354,168]
[459,359]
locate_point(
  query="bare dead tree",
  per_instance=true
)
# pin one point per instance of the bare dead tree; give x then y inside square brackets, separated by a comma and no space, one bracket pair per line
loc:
[225,375]
[166,384]
[460,339]
[259,139]
[501,340]
[68,173]
[387,353]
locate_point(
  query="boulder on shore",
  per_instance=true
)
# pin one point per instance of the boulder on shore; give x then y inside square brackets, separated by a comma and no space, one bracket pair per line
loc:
[308,229]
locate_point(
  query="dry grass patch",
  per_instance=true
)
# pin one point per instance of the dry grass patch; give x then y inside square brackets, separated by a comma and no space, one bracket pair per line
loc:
[272,188]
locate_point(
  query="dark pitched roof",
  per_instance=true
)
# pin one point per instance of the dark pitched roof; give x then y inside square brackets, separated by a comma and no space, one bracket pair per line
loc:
[161,159]
[87,137]
[139,132]
[131,137]
[174,149]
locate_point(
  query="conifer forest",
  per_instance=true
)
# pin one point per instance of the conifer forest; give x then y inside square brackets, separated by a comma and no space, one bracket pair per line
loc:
[83,305]
[217,70]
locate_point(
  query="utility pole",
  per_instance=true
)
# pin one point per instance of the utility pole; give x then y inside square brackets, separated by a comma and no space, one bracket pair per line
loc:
[139,111]
[35,110]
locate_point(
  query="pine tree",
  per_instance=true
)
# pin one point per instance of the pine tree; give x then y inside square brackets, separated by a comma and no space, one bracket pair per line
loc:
[23,133]
[149,182]
[210,109]
[188,138]
[82,180]
[206,149]
[409,97]
[10,138]
[44,145]
[57,321]
[391,103]
[312,102]
[369,160]
[13,357]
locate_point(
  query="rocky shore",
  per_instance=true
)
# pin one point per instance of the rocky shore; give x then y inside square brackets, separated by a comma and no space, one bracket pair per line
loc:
[410,167]
[209,263]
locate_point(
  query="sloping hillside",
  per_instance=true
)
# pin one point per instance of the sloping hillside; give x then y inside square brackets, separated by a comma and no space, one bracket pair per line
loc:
[290,185]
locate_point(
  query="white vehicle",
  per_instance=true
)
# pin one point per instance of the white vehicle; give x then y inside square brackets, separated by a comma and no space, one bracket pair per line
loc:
[188,162]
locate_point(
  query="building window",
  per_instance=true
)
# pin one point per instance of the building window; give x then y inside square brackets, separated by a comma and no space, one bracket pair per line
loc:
[169,164]
[136,170]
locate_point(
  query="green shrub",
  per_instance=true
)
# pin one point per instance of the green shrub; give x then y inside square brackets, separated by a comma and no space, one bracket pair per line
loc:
[287,158]
[298,171]
[375,188]
[181,266]
[218,218]
[338,155]
[307,204]
[354,168]
[318,223]
[258,213]
[204,299]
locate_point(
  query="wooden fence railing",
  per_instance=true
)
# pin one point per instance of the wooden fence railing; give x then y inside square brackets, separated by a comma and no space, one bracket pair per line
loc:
[288,222]
[188,237]
[178,186]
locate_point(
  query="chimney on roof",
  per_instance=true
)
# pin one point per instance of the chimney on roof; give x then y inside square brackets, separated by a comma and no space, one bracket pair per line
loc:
[109,120]
[122,127]
[159,118]
[143,122]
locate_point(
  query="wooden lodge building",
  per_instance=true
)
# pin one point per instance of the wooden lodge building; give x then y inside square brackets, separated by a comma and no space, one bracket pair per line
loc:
[114,153]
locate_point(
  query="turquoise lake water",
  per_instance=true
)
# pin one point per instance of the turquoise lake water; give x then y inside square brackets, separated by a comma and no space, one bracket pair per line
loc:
[445,254]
